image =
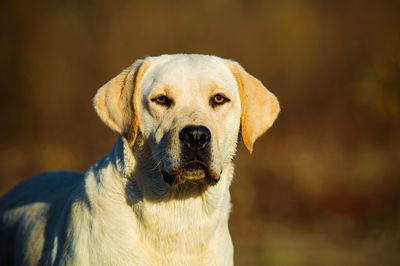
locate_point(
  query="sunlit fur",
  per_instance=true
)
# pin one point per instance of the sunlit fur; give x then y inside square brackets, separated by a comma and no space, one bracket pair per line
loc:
[121,212]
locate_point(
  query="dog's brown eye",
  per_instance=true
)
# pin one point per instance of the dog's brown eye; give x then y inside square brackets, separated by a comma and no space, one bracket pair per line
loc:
[218,99]
[162,100]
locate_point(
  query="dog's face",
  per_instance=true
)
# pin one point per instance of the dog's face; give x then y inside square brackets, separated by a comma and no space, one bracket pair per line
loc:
[189,110]
[190,115]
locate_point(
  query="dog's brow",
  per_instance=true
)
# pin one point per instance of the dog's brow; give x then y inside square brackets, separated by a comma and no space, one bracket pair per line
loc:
[160,89]
[219,89]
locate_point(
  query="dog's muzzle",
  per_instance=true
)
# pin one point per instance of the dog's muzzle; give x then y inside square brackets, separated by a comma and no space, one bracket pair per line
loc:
[195,157]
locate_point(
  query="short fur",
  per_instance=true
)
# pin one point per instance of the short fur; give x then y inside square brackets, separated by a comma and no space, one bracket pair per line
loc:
[121,212]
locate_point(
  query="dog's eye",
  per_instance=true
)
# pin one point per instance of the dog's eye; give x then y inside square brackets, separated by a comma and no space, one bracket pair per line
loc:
[162,100]
[218,99]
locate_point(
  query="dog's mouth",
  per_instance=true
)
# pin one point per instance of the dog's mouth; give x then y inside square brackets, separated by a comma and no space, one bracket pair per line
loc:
[194,171]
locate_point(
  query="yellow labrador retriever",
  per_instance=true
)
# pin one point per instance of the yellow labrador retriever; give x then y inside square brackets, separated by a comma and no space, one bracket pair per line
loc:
[160,197]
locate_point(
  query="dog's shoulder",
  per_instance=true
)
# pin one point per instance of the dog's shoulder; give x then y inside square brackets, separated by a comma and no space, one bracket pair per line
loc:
[43,188]
[28,207]
[34,197]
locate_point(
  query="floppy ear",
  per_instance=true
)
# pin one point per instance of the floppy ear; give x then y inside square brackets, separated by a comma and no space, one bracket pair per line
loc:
[116,101]
[259,106]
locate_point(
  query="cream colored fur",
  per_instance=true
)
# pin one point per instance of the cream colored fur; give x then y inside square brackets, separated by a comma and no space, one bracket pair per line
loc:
[121,212]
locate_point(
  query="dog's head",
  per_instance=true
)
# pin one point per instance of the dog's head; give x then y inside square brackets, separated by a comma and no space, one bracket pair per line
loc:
[188,111]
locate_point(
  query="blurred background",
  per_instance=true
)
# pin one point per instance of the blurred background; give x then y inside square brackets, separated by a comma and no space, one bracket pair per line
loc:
[322,186]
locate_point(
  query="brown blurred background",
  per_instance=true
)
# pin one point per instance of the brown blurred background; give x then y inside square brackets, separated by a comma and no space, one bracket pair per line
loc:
[323,185]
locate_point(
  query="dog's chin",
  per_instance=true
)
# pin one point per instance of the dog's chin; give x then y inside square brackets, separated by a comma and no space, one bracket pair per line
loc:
[193,172]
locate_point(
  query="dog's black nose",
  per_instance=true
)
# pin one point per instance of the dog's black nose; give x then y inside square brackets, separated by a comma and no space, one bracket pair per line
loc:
[195,137]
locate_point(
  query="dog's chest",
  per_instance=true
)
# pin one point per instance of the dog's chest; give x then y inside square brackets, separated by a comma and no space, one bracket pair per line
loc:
[170,234]
[177,226]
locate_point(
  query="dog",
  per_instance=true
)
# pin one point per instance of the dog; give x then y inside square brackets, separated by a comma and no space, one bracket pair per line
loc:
[161,196]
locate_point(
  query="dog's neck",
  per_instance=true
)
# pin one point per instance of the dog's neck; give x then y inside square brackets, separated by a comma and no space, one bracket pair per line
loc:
[176,214]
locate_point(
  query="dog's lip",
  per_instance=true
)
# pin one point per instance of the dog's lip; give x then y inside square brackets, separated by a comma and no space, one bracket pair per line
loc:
[191,164]
[196,163]
[172,177]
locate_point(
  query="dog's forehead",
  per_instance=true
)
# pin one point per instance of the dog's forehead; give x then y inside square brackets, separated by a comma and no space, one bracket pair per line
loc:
[188,72]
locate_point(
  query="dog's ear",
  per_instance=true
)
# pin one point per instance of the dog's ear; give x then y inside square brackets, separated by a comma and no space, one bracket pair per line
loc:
[116,101]
[259,106]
